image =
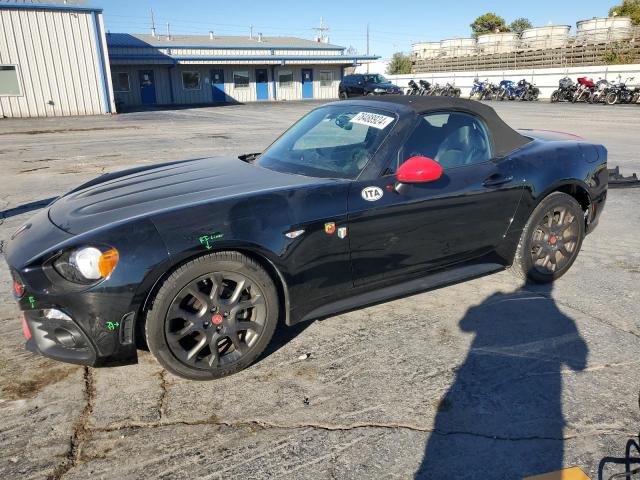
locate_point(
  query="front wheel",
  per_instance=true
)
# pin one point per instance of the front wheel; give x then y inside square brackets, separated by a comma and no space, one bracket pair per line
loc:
[555,96]
[611,98]
[213,316]
[343,96]
[551,239]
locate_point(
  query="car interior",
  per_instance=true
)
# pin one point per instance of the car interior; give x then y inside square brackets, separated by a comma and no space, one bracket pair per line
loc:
[451,139]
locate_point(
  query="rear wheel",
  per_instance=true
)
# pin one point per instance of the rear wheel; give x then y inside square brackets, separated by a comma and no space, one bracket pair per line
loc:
[212,317]
[551,239]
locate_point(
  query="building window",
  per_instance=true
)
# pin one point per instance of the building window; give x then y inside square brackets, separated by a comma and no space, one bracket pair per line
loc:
[191,80]
[241,79]
[326,78]
[285,78]
[120,82]
[9,84]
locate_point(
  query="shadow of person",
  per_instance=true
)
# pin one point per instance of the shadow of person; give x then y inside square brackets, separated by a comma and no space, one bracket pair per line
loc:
[502,417]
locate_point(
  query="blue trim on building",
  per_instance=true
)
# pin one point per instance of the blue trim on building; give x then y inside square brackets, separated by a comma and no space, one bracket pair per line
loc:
[103,68]
[209,46]
[170,70]
[273,82]
[48,7]
[282,60]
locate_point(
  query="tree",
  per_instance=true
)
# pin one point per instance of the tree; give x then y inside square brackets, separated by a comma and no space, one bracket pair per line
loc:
[488,23]
[399,64]
[519,25]
[628,8]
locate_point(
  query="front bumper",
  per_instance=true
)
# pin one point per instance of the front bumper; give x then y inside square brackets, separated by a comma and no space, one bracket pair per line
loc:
[62,338]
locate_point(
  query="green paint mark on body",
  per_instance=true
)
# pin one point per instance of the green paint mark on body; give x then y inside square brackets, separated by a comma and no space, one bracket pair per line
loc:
[205,240]
[111,326]
[32,301]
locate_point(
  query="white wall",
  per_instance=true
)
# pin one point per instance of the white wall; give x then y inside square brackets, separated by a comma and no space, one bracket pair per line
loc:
[546,79]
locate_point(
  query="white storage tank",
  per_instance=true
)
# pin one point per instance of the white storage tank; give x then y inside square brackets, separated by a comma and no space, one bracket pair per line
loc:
[602,30]
[551,36]
[458,47]
[498,42]
[426,49]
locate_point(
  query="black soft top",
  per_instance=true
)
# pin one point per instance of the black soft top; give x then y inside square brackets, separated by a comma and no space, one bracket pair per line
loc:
[505,138]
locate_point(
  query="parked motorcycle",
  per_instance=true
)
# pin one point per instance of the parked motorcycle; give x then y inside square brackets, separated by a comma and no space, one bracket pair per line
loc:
[585,89]
[600,91]
[507,90]
[479,89]
[425,87]
[413,88]
[450,90]
[435,90]
[619,93]
[565,91]
[526,92]
[491,92]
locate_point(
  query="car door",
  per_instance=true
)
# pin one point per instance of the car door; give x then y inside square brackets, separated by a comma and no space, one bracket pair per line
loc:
[461,216]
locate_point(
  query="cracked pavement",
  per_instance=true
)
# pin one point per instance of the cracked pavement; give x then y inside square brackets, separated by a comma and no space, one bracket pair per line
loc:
[484,379]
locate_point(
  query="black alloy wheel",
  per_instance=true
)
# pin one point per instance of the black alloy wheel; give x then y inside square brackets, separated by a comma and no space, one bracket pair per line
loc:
[551,239]
[555,240]
[213,316]
[215,320]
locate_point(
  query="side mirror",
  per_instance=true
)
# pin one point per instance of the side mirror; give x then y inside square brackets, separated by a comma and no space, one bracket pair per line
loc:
[419,170]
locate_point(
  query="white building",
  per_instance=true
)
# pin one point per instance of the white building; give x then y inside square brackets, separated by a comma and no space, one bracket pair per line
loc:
[179,69]
[53,60]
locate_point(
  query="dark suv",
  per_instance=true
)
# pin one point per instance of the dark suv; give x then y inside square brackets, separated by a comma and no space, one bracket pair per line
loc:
[366,84]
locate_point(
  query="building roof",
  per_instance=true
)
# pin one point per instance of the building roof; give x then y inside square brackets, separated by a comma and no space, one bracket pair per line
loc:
[203,41]
[77,5]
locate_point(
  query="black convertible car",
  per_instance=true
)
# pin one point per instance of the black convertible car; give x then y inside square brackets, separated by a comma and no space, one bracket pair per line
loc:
[358,202]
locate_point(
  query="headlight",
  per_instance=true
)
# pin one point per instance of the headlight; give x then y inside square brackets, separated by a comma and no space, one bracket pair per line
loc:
[87,264]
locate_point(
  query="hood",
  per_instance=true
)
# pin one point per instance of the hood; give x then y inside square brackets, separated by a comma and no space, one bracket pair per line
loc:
[147,191]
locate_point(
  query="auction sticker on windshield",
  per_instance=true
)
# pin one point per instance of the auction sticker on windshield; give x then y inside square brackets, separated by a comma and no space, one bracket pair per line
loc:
[374,120]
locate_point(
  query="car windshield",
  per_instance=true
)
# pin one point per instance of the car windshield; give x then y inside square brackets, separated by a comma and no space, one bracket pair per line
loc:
[375,79]
[335,141]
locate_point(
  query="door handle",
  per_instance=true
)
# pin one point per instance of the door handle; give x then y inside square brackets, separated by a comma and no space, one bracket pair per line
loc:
[496,180]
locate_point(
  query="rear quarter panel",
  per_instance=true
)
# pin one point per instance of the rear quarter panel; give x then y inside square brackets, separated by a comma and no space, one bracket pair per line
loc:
[550,165]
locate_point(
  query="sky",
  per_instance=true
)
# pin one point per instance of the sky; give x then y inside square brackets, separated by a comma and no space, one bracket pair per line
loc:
[393,25]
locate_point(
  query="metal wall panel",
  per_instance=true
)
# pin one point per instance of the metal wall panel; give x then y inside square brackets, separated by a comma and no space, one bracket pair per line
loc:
[132,97]
[60,65]
[204,94]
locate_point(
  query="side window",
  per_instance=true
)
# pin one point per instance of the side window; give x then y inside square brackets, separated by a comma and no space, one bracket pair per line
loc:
[452,139]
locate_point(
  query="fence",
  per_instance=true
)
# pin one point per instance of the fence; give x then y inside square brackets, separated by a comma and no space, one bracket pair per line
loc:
[576,53]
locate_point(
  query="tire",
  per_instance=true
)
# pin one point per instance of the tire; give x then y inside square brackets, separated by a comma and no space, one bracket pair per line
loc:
[611,98]
[555,96]
[548,246]
[165,333]
[343,96]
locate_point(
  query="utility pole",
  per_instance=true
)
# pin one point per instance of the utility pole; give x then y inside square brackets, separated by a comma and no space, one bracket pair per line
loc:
[367,46]
[321,29]
[153,24]
[168,31]
[250,32]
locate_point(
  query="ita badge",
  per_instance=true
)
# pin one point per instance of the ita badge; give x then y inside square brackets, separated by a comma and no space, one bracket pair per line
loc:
[342,232]
[329,228]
